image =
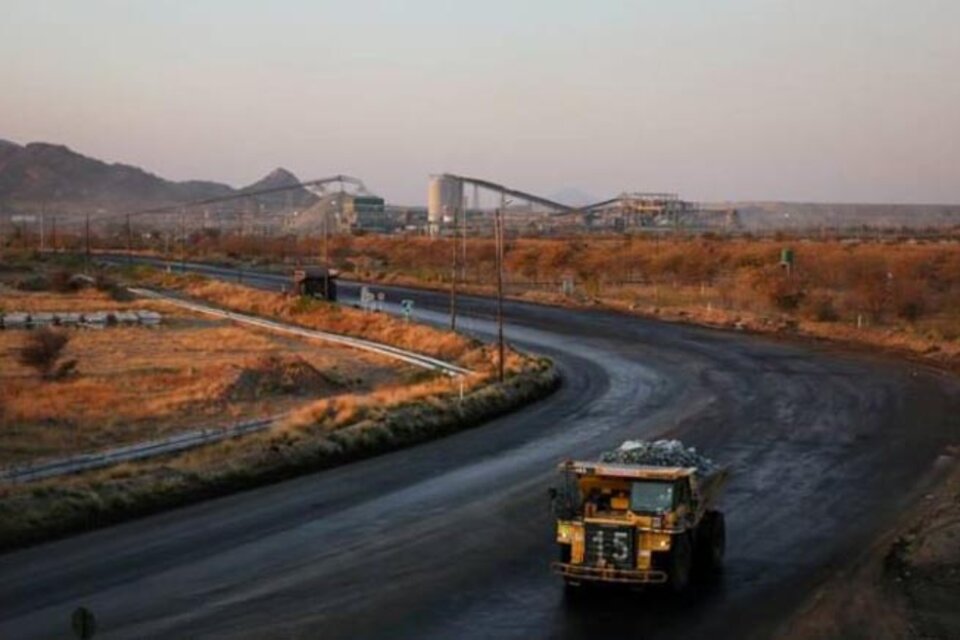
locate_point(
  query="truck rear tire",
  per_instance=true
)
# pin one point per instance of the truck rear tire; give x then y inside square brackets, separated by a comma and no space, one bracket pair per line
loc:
[712,542]
[681,564]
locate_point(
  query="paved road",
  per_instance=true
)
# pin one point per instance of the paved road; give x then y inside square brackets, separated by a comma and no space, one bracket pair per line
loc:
[453,538]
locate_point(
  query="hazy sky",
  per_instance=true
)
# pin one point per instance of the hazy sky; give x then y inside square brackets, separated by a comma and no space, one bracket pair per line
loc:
[715,99]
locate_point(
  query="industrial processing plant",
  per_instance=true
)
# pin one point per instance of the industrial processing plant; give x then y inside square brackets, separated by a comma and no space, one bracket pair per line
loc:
[449,208]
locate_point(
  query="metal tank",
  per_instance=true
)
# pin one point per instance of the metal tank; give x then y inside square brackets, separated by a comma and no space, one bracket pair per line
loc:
[444,199]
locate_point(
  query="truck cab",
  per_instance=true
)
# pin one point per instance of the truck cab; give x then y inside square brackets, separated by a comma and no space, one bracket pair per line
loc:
[636,524]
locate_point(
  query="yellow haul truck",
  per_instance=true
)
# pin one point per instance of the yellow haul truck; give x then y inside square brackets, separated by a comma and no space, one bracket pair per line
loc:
[638,524]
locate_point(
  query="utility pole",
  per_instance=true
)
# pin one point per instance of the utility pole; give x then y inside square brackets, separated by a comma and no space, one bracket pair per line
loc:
[326,216]
[453,282]
[498,232]
[129,241]
[53,234]
[86,233]
[42,214]
[463,237]
[183,242]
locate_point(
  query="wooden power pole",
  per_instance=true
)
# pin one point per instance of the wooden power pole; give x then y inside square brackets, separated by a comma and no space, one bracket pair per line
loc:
[453,275]
[129,241]
[498,232]
[86,253]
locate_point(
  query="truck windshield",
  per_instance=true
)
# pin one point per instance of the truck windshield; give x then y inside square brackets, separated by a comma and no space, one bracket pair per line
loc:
[647,496]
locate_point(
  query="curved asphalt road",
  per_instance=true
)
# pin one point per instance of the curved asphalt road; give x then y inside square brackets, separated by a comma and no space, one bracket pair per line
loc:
[452,539]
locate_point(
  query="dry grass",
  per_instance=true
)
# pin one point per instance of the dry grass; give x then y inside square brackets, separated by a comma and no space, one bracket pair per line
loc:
[334,413]
[901,296]
[133,383]
[83,300]
[320,315]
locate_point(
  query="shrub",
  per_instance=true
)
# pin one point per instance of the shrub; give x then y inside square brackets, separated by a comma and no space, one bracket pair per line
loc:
[822,308]
[784,292]
[109,286]
[42,350]
[34,283]
[62,281]
[911,309]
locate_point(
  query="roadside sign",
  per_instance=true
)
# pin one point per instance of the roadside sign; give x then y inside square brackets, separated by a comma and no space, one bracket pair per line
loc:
[83,623]
[407,306]
[366,297]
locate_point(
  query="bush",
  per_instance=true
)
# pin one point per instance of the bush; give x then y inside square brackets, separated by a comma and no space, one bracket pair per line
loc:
[34,283]
[112,288]
[42,350]
[784,293]
[911,309]
[62,281]
[822,308]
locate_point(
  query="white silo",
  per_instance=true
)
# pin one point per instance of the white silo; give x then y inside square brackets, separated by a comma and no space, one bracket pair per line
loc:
[444,199]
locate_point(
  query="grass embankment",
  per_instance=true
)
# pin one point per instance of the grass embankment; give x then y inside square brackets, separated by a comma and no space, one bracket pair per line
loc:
[331,433]
[318,435]
[317,314]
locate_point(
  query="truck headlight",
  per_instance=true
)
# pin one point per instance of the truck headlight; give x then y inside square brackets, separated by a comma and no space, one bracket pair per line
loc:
[660,542]
[565,532]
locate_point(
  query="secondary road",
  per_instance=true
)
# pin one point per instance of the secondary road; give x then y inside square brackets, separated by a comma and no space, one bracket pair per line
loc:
[452,539]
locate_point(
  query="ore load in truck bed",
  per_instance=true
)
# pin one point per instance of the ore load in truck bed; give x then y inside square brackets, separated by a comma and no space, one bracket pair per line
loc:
[660,453]
[671,453]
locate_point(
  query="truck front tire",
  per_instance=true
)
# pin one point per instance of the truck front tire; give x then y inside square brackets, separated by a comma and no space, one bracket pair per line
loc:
[711,542]
[681,563]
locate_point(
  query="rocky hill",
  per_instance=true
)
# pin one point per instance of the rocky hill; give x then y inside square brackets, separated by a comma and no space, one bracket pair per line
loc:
[288,199]
[41,175]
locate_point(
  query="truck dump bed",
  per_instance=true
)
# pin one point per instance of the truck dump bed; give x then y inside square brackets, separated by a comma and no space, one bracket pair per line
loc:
[712,483]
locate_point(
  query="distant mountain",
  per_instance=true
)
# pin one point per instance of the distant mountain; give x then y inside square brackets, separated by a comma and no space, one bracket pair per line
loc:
[573,197]
[287,199]
[53,176]
[8,148]
[813,215]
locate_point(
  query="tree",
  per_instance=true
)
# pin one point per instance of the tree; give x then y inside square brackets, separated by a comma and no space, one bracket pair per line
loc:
[43,349]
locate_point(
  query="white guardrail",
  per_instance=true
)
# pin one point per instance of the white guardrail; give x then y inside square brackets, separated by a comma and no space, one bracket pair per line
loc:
[129,453]
[396,353]
[190,439]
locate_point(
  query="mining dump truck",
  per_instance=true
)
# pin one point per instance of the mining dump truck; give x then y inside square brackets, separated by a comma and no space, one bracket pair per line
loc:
[643,514]
[315,282]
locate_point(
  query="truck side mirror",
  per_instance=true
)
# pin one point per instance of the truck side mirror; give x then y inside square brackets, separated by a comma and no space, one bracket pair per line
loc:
[552,493]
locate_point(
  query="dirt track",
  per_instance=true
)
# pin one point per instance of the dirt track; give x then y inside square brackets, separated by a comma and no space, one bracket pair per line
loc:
[453,538]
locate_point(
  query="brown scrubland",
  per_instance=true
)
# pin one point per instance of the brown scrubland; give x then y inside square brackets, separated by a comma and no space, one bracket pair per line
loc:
[135,382]
[901,295]
[905,286]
